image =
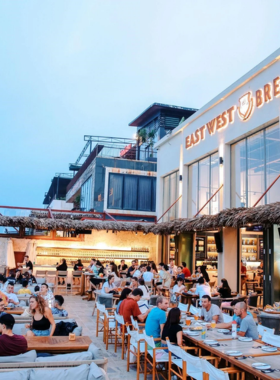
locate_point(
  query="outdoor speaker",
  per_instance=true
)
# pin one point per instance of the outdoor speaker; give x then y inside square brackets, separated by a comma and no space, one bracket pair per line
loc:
[219,241]
[83,232]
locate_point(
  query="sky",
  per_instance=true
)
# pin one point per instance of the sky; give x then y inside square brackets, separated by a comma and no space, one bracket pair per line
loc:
[71,68]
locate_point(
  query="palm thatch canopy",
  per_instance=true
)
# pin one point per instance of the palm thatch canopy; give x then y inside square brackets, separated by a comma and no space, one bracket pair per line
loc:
[65,215]
[264,216]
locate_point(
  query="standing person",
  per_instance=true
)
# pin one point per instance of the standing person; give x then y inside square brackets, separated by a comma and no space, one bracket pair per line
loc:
[156,319]
[10,344]
[12,298]
[109,286]
[186,270]
[124,294]
[172,328]
[144,288]
[148,275]
[210,312]
[42,318]
[165,275]
[57,308]
[28,264]
[248,326]
[129,307]
[131,270]
[122,267]
[24,289]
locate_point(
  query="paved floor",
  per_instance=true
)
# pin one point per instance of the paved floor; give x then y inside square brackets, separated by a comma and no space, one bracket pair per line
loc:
[81,311]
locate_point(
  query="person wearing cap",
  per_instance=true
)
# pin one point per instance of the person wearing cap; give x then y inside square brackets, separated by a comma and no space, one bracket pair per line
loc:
[10,343]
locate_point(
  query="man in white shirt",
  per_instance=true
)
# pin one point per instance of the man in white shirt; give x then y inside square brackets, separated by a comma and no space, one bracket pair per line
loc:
[211,312]
[12,297]
[172,268]
[148,275]
[202,288]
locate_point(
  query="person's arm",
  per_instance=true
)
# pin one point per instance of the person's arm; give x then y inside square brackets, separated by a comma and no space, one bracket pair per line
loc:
[142,317]
[179,338]
[161,328]
[243,328]
[15,302]
[215,318]
[49,316]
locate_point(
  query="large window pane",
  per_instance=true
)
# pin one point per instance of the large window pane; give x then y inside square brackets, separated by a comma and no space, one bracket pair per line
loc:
[130,192]
[256,177]
[86,195]
[272,138]
[166,196]
[173,195]
[154,192]
[193,190]
[214,203]
[115,191]
[145,194]
[204,180]
[238,174]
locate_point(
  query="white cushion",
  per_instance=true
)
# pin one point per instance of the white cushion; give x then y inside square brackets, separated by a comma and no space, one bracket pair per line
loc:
[86,355]
[16,375]
[28,357]
[78,331]
[76,373]
[95,351]
[96,373]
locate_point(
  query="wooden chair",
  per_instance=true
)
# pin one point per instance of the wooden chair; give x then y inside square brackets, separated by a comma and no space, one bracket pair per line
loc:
[41,273]
[250,286]
[120,333]
[51,276]
[136,347]
[61,276]
[106,319]
[156,362]
[263,329]
[76,275]
[209,371]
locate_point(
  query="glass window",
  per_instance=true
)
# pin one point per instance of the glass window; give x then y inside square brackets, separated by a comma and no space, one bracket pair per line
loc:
[86,195]
[204,182]
[255,164]
[166,196]
[193,190]
[170,195]
[132,192]
[214,175]
[272,138]
[238,174]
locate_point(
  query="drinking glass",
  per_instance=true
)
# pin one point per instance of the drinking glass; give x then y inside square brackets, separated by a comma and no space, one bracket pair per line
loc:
[188,322]
[213,324]
[196,317]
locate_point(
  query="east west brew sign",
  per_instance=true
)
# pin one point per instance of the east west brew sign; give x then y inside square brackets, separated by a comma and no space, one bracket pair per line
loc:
[247,104]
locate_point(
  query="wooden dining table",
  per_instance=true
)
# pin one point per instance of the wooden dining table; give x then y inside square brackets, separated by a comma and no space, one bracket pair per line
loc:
[15,310]
[252,352]
[58,344]
[83,281]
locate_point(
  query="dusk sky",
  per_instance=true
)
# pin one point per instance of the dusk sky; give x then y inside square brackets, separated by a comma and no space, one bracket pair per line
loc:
[70,68]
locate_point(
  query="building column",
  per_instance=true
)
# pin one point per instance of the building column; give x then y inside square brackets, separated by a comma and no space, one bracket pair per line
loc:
[228,259]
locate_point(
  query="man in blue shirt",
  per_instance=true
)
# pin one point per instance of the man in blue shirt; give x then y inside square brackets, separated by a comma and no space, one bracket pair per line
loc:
[156,319]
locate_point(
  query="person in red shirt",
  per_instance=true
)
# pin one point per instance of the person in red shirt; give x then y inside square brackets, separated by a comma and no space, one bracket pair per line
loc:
[129,307]
[186,270]
[10,344]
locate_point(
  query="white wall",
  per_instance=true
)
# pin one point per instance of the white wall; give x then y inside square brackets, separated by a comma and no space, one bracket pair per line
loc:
[60,205]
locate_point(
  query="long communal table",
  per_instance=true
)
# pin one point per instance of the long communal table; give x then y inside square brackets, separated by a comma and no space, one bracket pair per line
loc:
[251,349]
[58,344]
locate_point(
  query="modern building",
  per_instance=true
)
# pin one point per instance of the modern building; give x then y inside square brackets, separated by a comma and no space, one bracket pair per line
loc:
[55,197]
[226,155]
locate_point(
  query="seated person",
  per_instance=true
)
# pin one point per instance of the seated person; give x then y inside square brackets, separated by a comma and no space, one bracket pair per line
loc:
[148,275]
[125,293]
[109,286]
[248,326]
[3,283]
[42,318]
[36,290]
[46,294]
[57,308]
[24,289]
[224,290]
[237,319]
[2,307]
[172,328]
[202,288]
[129,307]
[19,275]
[180,273]
[134,283]
[29,277]
[157,318]
[144,288]
[179,287]
[10,344]
[210,312]
[12,298]
[122,267]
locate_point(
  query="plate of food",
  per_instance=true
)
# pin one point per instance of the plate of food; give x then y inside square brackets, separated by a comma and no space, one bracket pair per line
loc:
[261,366]
[223,330]
[245,339]
[196,328]
[234,353]
[192,333]
[269,348]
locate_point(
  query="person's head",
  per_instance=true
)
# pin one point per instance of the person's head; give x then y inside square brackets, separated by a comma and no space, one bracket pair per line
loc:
[7,322]
[98,264]
[114,268]
[179,270]
[10,287]
[36,288]
[44,288]
[137,294]
[198,269]
[24,283]
[149,268]
[240,309]
[125,293]
[58,301]
[180,281]
[171,263]
[93,262]
[162,303]
[133,263]
[2,305]
[63,261]
[161,266]
[111,279]
[184,265]
[26,258]
[141,281]
[173,317]
[143,268]
[224,283]
[37,303]
[122,262]
[79,262]
[201,280]
[206,302]
[134,281]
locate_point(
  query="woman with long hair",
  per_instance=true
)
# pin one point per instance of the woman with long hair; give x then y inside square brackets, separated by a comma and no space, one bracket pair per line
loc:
[203,273]
[172,328]
[144,288]
[224,290]
[115,273]
[154,267]
[109,286]
[124,294]
[42,318]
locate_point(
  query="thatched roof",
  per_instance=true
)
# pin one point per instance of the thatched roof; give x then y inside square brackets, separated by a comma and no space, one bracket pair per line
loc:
[236,217]
[64,215]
